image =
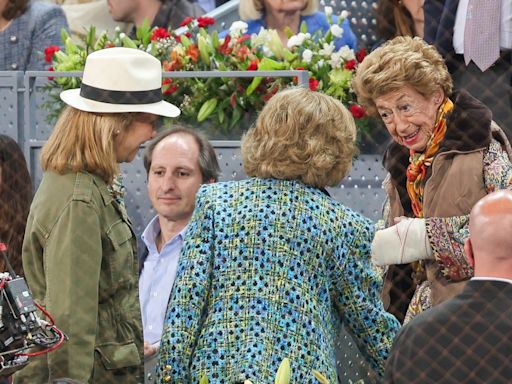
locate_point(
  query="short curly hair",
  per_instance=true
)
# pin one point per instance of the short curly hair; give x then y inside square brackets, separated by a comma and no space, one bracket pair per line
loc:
[402,61]
[301,135]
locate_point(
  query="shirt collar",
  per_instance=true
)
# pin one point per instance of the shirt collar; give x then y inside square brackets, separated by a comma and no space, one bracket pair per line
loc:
[153,229]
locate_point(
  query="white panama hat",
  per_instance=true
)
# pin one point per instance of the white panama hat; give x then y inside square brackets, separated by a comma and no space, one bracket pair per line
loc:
[117,80]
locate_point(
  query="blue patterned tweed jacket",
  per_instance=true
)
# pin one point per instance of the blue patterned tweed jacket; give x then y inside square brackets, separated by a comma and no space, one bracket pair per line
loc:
[269,270]
[22,44]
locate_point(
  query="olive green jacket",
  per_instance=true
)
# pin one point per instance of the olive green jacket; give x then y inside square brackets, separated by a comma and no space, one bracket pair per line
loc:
[79,256]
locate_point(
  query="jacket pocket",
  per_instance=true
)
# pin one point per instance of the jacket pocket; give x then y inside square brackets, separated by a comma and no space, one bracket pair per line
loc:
[122,258]
[119,355]
[119,233]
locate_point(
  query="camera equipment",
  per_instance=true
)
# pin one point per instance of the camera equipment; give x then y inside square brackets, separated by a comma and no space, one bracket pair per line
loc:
[21,328]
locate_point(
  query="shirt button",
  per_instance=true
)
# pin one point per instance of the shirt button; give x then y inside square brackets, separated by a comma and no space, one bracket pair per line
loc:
[167,379]
[13,39]
[155,294]
[150,327]
[14,66]
[168,367]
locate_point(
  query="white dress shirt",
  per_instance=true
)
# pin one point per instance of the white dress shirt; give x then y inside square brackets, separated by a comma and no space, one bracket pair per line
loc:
[157,279]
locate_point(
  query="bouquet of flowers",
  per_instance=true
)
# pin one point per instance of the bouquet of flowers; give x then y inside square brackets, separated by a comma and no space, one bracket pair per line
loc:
[224,102]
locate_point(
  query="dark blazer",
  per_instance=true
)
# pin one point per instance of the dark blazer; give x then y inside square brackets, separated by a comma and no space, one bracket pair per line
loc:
[467,339]
[439,22]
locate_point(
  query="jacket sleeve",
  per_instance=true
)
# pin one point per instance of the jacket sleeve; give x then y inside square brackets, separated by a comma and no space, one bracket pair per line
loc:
[189,296]
[46,32]
[72,261]
[358,299]
[348,38]
[447,234]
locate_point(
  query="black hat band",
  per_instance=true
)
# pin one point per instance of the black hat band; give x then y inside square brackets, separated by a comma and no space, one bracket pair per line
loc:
[121,97]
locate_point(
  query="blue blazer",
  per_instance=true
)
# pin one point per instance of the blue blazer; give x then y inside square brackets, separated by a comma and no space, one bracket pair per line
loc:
[271,269]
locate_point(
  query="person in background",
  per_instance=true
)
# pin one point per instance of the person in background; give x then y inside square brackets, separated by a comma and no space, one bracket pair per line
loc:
[272,266]
[448,28]
[82,14]
[446,155]
[290,14]
[394,18]
[466,340]
[159,13]
[26,29]
[177,162]
[16,195]
[80,252]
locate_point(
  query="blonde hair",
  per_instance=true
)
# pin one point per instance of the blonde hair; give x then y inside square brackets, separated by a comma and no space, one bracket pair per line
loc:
[402,61]
[301,135]
[85,141]
[255,9]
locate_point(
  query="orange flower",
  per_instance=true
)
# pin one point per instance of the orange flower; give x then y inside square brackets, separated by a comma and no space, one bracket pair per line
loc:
[193,52]
[242,52]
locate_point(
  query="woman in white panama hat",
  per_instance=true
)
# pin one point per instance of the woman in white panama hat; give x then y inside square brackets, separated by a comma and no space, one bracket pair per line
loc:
[79,251]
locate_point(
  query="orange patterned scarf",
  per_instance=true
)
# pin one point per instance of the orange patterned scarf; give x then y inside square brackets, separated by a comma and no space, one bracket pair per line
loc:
[418,162]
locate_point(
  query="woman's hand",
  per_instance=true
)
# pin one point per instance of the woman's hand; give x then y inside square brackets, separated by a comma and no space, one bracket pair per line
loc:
[402,243]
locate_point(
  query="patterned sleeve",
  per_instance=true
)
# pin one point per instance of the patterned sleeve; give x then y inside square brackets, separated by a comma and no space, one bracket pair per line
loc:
[447,234]
[358,295]
[189,296]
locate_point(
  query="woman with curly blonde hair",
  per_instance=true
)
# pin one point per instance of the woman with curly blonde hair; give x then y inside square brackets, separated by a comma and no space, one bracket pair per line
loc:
[446,154]
[272,266]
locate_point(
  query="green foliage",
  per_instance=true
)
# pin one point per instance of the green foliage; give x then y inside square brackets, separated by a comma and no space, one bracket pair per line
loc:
[221,102]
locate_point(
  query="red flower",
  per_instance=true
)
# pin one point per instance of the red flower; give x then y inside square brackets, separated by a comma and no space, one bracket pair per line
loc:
[168,88]
[357,111]
[350,65]
[204,21]
[177,38]
[253,65]
[270,93]
[159,33]
[109,44]
[361,54]
[313,83]
[224,47]
[186,21]
[51,70]
[243,38]
[295,78]
[49,52]
[232,100]
[188,34]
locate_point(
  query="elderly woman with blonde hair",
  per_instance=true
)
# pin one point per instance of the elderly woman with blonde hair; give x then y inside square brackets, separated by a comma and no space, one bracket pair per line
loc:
[272,266]
[446,154]
[288,15]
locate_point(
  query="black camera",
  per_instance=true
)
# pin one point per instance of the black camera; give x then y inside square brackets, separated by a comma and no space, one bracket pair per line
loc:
[21,329]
